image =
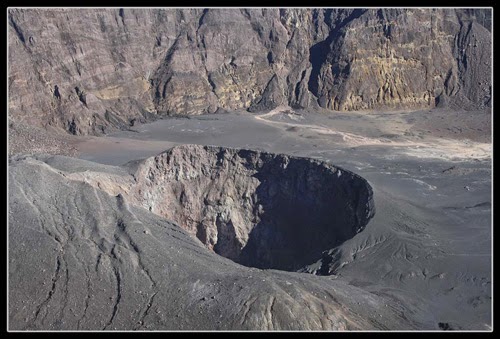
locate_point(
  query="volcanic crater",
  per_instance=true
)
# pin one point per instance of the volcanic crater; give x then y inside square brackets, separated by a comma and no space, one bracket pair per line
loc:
[263,210]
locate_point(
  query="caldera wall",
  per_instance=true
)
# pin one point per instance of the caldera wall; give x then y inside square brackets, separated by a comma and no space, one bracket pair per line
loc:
[87,71]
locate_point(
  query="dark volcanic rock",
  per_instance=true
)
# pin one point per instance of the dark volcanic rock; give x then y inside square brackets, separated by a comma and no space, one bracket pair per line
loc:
[86,70]
[28,139]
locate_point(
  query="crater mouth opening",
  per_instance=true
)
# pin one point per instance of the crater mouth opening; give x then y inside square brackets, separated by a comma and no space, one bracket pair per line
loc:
[263,210]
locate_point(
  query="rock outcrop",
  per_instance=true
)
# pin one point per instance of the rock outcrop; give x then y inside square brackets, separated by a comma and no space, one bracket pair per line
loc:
[88,70]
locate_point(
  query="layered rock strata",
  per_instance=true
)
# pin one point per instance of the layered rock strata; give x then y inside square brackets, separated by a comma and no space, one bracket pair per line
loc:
[88,70]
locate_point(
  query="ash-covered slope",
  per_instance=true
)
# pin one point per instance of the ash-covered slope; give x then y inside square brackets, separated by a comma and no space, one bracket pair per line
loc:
[86,70]
[81,258]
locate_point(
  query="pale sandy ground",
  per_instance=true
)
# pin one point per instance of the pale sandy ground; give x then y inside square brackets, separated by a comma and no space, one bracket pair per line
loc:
[111,144]
[392,125]
[391,131]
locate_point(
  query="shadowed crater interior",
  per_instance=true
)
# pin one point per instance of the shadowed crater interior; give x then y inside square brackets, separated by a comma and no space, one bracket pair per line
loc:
[258,209]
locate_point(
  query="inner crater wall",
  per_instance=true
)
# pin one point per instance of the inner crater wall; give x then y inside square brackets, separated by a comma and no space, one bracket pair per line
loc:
[258,209]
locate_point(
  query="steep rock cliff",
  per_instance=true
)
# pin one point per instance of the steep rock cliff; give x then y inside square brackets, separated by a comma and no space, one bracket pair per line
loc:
[88,70]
